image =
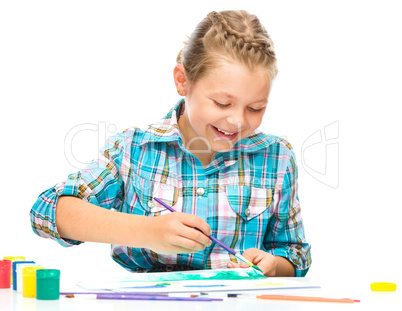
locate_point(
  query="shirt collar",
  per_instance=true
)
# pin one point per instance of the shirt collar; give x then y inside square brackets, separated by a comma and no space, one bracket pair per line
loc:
[167,130]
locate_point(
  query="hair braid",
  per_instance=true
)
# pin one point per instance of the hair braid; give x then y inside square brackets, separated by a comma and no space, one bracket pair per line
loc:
[238,39]
[234,34]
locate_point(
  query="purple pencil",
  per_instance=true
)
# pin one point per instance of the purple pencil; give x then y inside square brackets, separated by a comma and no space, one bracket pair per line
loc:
[148,297]
[232,251]
[114,293]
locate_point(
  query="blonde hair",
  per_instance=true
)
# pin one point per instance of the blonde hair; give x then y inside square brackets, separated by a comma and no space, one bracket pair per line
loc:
[228,36]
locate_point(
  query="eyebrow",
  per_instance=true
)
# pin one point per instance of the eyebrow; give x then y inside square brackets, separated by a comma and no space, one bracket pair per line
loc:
[226,94]
[264,100]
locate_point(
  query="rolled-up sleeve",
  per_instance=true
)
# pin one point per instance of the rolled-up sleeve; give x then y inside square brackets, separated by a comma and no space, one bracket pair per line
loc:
[100,183]
[285,235]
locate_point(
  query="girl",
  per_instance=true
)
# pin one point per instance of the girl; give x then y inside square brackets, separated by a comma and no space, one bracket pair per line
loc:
[205,158]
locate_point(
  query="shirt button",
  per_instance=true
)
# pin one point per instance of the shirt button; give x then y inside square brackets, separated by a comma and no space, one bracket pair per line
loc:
[200,191]
[247,212]
[151,204]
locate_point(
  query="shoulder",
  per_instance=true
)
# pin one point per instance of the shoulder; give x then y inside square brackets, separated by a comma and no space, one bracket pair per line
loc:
[284,143]
[283,151]
[130,136]
[124,142]
[273,154]
[280,161]
[260,142]
[133,135]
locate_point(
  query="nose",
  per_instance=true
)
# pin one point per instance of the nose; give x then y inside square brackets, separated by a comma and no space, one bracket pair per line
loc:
[237,120]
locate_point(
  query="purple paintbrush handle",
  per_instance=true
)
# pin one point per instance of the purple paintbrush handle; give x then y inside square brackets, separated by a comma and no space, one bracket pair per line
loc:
[157,297]
[222,245]
[164,204]
[114,293]
[211,237]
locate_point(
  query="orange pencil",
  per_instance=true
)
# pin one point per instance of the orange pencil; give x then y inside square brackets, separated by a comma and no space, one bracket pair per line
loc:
[306,298]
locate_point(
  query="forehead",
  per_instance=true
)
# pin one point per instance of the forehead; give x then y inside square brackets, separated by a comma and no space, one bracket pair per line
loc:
[236,81]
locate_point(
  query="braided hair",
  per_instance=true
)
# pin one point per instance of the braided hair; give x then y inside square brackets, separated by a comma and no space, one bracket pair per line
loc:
[228,36]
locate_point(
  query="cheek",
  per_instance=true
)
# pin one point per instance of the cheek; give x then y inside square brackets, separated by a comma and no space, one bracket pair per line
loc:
[255,122]
[198,122]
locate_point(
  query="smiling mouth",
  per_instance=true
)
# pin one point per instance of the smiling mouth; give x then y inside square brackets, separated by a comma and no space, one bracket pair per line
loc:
[224,134]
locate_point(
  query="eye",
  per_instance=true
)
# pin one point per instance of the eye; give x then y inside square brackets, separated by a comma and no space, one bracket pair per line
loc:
[255,110]
[220,105]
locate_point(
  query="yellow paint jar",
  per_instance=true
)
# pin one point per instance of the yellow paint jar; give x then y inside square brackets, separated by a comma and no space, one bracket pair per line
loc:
[383,287]
[29,281]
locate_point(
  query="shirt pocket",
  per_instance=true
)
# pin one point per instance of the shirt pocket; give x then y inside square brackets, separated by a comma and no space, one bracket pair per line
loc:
[147,190]
[248,202]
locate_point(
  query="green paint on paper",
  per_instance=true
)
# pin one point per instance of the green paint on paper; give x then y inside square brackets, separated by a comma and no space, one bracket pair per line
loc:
[196,275]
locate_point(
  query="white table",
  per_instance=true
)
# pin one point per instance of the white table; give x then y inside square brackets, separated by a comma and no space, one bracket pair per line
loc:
[10,300]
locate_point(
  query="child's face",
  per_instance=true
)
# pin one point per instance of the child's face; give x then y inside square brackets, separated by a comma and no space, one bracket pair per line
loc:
[224,107]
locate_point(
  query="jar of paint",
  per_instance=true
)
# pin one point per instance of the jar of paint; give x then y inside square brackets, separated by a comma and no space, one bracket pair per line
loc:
[47,284]
[18,280]
[14,258]
[5,272]
[29,281]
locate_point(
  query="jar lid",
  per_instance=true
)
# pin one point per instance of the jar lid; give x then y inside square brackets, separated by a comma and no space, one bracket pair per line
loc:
[15,258]
[47,273]
[383,287]
[30,271]
[16,263]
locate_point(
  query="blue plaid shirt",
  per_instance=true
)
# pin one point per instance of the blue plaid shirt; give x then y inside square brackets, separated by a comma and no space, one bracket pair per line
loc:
[247,195]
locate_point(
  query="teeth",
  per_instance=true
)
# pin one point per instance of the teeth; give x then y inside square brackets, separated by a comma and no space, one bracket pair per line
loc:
[226,133]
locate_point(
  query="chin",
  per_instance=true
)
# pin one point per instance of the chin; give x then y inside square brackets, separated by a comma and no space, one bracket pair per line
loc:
[223,147]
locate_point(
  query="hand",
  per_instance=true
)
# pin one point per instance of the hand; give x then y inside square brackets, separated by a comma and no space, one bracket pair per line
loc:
[175,233]
[263,260]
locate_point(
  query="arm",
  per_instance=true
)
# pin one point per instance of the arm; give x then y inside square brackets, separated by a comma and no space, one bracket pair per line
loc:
[285,235]
[284,251]
[284,267]
[82,221]
[168,234]
[84,208]
[100,184]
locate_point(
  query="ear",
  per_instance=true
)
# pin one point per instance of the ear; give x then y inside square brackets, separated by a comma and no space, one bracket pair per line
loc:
[180,79]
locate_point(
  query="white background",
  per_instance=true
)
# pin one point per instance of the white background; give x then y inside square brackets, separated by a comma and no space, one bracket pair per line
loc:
[69,65]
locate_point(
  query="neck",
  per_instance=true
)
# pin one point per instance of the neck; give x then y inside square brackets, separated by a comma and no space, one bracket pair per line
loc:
[198,147]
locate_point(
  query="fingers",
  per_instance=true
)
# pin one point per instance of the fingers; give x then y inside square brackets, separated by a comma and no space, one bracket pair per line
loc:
[241,264]
[195,236]
[176,233]
[265,261]
[168,243]
[196,222]
[253,254]
[195,228]
[190,246]
[232,264]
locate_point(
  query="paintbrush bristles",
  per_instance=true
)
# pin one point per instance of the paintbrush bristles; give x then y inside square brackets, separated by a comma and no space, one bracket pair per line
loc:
[244,260]
[248,262]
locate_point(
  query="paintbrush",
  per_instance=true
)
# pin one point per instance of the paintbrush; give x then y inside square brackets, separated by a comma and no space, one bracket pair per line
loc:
[232,251]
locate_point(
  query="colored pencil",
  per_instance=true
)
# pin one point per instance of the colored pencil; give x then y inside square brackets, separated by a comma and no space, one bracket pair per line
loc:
[227,248]
[302,298]
[114,293]
[158,297]
[277,297]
